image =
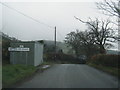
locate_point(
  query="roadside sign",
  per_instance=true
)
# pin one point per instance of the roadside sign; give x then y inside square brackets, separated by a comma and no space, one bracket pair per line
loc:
[18,49]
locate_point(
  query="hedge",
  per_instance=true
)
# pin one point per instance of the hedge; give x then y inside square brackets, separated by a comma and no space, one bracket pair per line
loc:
[61,57]
[106,60]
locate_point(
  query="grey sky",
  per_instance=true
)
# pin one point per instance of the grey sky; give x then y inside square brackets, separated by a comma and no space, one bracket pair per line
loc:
[59,14]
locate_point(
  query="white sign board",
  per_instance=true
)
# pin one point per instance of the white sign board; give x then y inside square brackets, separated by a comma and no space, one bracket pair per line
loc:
[18,49]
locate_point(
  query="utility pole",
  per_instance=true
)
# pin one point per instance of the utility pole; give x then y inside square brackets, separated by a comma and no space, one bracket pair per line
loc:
[55,42]
[119,26]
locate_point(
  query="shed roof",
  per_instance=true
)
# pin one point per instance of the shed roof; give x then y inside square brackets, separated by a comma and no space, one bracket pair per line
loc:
[40,41]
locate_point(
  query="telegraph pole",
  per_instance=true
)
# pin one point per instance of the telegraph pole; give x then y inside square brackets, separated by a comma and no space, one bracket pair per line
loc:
[55,42]
[119,26]
[118,30]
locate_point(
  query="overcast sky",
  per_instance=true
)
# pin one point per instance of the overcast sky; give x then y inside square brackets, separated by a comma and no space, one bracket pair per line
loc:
[59,14]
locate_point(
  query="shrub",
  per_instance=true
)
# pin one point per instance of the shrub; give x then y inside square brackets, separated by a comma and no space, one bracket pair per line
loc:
[61,57]
[106,60]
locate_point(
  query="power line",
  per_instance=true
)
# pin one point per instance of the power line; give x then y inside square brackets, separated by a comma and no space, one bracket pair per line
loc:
[27,16]
[32,18]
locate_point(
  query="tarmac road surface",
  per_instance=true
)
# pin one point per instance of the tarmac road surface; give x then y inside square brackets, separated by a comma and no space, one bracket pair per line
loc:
[71,76]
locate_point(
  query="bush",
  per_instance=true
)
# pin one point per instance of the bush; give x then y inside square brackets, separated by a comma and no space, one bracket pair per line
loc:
[61,57]
[106,60]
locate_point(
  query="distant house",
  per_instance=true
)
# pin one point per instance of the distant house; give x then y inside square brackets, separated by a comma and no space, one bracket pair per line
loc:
[115,52]
[49,46]
[60,47]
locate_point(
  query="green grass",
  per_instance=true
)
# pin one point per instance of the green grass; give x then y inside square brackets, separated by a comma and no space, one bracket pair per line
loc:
[111,70]
[48,63]
[14,73]
[0,75]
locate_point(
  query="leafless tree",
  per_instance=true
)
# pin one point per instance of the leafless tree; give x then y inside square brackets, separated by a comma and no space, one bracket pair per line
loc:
[109,7]
[73,41]
[82,42]
[100,31]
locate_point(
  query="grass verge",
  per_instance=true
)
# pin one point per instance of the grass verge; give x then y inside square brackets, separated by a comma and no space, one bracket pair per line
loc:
[110,70]
[48,63]
[14,73]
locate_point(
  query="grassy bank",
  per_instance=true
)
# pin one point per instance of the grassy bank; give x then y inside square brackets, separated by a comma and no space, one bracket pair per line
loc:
[14,73]
[0,75]
[106,62]
[49,63]
[111,70]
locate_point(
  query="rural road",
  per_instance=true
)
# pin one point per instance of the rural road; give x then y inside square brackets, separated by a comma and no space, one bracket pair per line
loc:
[71,76]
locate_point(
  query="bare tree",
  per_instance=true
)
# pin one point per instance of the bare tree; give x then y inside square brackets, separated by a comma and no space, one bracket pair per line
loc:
[101,32]
[73,41]
[109,7]
[82,42]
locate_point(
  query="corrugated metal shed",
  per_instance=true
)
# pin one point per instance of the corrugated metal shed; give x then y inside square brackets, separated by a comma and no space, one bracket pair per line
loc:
[29,53]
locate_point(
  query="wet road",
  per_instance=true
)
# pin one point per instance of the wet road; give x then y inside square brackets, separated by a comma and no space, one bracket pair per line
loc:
[71,76]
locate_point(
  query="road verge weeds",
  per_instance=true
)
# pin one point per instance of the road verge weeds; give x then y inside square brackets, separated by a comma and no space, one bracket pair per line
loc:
[111,70]
[11,74]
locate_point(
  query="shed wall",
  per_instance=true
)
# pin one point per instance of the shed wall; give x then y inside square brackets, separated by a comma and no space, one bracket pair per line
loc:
[22,57]
[38,59]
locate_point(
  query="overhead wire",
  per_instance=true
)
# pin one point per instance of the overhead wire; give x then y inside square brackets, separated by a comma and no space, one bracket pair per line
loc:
[27,16]
[32,19]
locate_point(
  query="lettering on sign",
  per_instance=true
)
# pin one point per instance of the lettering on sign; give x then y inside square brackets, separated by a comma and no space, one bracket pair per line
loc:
[18,49]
